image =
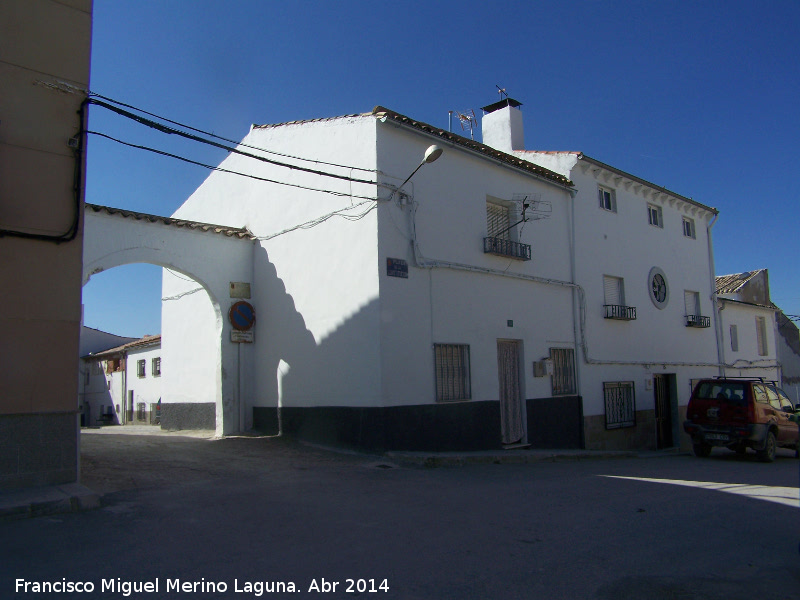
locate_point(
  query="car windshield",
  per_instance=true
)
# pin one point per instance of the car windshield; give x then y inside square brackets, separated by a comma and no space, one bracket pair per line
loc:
[730,392]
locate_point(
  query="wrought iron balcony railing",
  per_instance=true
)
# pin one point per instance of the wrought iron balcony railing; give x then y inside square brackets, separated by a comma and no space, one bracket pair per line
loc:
[698,321]
[621,313]
[508,248]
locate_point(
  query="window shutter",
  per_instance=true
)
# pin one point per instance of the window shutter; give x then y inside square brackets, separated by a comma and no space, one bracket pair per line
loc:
[612,291]
[497,221]
[734,338]
[692,302]
[761,336]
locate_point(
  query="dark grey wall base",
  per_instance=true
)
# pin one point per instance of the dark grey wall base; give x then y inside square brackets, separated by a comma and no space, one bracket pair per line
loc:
[188,416]
[40,449]
[429,427]
[446,427]
[556,422]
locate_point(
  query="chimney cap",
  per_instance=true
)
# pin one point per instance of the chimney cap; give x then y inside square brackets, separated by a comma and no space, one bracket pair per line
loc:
[501,104]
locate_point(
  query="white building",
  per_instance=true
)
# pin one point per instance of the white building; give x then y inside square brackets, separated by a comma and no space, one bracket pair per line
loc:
[490,301]
[643,258]
[122,385]
[758,339]
[92,388]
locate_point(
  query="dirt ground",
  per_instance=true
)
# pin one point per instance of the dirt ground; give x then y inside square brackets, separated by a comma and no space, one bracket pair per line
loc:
[118,458]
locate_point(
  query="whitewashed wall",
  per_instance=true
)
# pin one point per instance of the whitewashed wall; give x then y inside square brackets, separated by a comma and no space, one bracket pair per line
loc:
[624,244]
[746,362]
[145,389]
[201,333]
[315,290]
[441,305]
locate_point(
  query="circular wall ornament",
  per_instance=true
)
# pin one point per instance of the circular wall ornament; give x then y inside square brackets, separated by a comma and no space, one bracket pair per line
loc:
[658,287]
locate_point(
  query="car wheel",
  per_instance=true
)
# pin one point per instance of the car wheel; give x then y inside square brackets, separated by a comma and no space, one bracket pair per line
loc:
[701,450]
[768,453]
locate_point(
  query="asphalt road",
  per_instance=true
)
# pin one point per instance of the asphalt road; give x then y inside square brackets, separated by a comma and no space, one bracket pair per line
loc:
[250,514]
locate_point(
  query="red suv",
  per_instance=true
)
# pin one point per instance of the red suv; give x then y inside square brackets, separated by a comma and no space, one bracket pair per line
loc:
[741,413]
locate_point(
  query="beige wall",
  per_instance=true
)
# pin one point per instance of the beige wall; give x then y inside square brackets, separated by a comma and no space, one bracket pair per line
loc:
[42,42]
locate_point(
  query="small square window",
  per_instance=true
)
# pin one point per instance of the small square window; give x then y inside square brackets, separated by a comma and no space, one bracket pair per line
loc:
[654,216]
[607,199]
[688,227]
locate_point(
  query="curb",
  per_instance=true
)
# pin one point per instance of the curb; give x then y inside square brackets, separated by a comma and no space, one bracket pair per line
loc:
[444,459]
[29,503]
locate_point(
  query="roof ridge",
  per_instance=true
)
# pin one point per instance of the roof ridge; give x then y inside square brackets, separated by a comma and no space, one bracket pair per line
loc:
[515,161]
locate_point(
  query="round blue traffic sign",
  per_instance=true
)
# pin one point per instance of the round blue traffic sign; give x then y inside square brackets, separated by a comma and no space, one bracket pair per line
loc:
[242,316]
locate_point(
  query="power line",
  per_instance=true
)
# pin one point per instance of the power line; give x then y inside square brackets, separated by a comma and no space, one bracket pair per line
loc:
[323,218]
[189,136]
[213,168]
[219,137]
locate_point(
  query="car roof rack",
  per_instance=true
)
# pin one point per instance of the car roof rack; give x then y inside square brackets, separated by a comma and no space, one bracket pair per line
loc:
[761,379]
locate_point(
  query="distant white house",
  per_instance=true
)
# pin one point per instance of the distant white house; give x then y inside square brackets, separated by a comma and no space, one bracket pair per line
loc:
[758,339]
[122,385]
[499,297]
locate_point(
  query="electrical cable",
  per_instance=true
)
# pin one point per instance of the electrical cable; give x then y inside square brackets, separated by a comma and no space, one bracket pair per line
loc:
[213,168]
[77,197]
[189,136]
[323,218]
[219,137]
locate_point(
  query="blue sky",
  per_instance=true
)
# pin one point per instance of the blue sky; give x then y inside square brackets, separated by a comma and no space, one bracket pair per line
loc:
[698,97]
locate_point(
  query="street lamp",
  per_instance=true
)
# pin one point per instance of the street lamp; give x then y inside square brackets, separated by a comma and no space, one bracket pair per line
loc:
[431,154]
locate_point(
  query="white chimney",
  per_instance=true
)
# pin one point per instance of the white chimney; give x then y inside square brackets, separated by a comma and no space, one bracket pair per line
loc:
[501,125]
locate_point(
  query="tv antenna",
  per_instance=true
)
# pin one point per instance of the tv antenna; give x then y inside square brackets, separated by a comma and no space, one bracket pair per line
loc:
[468,121]
[532,207]
[502,91]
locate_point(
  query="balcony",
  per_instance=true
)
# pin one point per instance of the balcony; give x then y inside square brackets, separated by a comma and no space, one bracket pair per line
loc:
[698,321]
[620,313]
[501,247]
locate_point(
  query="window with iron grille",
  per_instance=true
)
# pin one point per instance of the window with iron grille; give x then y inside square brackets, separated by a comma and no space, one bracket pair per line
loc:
[563,371]
[452,372]
[614,300]
[156,367]
[620,402]
[694,317]
[140,368]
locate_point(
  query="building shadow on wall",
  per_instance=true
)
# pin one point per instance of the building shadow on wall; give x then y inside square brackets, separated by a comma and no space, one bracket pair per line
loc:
[330,392]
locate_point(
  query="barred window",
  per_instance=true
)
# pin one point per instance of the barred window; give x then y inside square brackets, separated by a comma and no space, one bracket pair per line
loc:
[620,404]
[140,368]
[452,372]
[563,371]
[156,366]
